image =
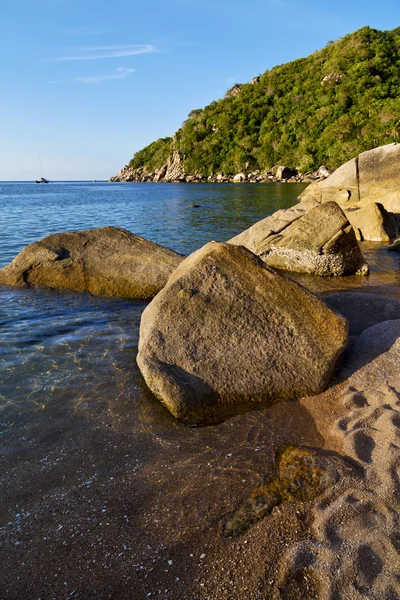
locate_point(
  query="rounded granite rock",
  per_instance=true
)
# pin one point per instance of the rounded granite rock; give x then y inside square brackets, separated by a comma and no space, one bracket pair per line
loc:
[228,334]
[108,261]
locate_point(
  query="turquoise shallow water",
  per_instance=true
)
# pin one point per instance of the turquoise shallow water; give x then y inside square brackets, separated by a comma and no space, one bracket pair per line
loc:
[81,438]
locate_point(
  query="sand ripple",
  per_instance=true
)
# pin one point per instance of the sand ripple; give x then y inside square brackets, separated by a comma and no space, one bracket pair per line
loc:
[356,535]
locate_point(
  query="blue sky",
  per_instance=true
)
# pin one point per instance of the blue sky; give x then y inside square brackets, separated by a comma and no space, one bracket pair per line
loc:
[86,83]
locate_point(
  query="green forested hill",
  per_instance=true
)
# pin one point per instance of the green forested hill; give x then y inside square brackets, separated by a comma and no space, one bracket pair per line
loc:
[323,109]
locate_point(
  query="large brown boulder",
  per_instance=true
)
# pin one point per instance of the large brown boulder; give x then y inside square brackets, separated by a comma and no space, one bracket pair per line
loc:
[105,262]
[371,177]
[228,334]
[317,240]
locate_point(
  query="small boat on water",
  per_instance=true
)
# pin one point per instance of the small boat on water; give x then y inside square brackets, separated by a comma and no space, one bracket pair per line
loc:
[42,179]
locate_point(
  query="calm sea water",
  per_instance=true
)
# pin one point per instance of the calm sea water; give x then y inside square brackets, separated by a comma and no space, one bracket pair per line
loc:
[159,212]
[53,340]
[74,411]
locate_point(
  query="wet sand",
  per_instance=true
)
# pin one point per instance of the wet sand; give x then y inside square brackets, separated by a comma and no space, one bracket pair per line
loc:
[108,515]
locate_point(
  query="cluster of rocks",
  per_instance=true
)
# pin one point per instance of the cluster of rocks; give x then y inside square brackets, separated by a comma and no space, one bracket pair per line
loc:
[225,332]
[282,173]
[173,171]
[367,188]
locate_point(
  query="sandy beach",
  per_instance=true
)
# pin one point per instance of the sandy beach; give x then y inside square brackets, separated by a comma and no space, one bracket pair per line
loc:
[104,518]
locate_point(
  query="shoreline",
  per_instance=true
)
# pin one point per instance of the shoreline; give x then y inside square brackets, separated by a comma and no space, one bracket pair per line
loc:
[191,180]
[106,495]
[144,521]
[144,516]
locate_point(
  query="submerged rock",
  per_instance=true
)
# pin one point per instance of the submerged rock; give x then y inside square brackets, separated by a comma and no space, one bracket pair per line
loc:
[300,474]
[228,334]
[104,262]
[318,240]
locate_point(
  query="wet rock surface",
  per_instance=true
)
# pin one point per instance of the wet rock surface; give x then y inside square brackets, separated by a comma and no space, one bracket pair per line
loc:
[363,310]
[300,474]
[394,246]
[104,262]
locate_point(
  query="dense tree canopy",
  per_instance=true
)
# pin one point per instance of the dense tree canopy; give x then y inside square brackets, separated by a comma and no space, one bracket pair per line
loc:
[326,108]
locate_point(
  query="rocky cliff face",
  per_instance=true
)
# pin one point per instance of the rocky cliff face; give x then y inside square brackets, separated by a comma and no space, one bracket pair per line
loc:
[172,170]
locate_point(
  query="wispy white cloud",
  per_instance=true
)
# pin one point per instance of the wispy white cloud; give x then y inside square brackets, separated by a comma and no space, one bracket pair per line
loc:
[120,73]
[99,52]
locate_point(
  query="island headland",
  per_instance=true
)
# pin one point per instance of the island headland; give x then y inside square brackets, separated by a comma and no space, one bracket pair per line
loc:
[284,124]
